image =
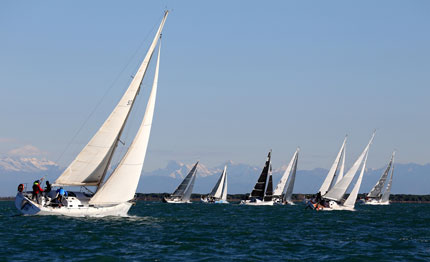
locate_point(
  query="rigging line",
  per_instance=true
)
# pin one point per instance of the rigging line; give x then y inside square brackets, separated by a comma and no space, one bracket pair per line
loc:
[105,94]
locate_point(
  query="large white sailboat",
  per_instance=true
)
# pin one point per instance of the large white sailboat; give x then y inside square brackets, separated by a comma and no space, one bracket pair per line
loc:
[262,195]
[218,195]
[183,193]
[284,190]
[114,196]
[375,196]
[333,199]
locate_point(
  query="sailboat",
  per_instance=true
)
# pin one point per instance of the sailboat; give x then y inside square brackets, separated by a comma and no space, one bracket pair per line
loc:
[114,196]
[284,190]
[333,198]
[183,193]
[375,196]
[262,195]
[218,195]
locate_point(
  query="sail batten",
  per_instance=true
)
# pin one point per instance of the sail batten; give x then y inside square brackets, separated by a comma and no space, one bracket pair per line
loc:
[91,164]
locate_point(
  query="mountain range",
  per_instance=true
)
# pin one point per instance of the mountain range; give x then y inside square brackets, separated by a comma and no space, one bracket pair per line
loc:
[408,178]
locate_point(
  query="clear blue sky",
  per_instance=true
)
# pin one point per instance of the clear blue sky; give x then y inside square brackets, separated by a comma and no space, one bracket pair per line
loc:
[237,77]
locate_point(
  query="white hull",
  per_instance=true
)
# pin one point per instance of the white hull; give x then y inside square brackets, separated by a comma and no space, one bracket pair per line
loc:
[28,207]
[375,202]
[332,206]
[175,201]
[256,203]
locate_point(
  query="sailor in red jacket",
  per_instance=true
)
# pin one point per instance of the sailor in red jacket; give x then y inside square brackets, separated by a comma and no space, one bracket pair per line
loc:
[37,191]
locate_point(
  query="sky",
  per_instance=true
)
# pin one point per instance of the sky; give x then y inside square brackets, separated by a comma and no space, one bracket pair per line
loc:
[237,78]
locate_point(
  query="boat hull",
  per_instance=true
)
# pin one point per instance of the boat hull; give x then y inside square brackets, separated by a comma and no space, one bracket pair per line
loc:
[175,201]
[256,203]
[375,202]
[28,207]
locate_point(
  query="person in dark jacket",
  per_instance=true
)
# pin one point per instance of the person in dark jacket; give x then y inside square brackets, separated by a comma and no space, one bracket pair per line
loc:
[37,190]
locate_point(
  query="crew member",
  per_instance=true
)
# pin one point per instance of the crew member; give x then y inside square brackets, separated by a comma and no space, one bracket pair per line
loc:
[36,191]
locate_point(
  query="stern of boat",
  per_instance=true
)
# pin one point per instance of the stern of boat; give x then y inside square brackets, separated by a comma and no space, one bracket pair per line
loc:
[25,205]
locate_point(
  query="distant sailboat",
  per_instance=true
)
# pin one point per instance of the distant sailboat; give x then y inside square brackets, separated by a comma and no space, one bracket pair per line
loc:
[183,193]
[218,195]
[284,190]
[114,196]
[333,199]
[375,196]
[261,194]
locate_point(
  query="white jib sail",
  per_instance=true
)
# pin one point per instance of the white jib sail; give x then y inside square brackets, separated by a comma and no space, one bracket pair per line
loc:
[289,191]
[338,191]
[350,201]
[91,164]
[224,189]
[330,176]
[122,184]
[386,196]
[280,188]
[218,192]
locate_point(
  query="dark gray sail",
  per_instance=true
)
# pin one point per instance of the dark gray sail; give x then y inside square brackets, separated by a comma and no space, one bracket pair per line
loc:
[377,189]
[179,192]
[260,186]
[269,191]
[386,196]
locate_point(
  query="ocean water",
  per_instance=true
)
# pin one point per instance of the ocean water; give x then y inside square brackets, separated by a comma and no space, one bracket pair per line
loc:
[199,232]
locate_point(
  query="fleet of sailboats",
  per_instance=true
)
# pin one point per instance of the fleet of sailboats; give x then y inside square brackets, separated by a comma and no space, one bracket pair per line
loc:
[113,196]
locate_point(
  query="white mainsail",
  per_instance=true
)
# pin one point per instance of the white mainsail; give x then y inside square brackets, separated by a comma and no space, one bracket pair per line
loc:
[338,191]
[217,191]
[331,173]
[280,187]
[224,189]
[350,201]
[122,184]
[386,196]
[91,164]
[289,191]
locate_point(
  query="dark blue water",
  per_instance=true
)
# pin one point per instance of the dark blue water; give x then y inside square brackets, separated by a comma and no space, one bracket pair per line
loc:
[198,232]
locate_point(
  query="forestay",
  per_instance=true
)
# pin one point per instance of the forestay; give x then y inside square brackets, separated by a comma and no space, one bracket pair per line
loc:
[338,191]
[91,164]
[122,184]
